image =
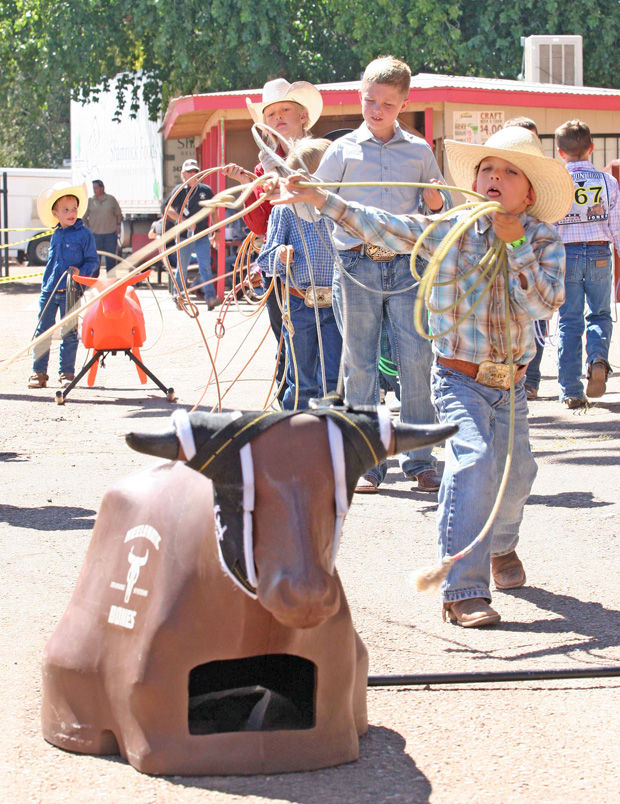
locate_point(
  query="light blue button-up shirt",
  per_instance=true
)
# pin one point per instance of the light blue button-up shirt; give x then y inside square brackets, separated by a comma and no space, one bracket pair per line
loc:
[360,156]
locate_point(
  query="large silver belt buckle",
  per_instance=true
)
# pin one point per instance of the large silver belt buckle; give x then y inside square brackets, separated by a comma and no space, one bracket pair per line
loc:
[494,375]
[379,254]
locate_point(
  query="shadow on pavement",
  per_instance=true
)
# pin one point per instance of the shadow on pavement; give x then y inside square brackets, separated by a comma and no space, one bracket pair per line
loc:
[567,499]
[383,772]
[573,616]
[48,517]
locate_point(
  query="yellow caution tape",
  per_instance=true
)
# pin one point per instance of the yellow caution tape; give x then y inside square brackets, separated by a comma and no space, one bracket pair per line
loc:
[6,279]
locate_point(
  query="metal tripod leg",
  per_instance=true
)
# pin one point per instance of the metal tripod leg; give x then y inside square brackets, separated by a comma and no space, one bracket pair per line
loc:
[62,395]
[168,391]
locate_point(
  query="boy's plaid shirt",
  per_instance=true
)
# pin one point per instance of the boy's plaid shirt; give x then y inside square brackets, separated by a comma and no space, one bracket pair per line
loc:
[481,334]
[285,228]
[601,210]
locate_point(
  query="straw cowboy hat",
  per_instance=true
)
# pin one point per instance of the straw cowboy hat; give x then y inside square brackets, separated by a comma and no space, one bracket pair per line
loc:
[549,178]
[302,92]
[48,198]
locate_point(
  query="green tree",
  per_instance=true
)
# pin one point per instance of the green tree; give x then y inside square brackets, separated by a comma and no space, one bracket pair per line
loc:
[51,50]
[34,133]
[500,54]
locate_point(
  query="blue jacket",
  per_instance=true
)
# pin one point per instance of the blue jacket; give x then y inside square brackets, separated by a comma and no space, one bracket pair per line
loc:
[74,245]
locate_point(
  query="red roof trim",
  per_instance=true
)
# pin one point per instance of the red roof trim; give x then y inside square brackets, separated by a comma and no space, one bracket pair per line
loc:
[350,97]
[507,97]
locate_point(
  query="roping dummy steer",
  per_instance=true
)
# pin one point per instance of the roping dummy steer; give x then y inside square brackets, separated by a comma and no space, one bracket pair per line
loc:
[185,669]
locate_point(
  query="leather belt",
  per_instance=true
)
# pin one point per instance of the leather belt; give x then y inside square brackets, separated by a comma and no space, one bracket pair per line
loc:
[376,253]
[295,292]
[493,375]
[589,243]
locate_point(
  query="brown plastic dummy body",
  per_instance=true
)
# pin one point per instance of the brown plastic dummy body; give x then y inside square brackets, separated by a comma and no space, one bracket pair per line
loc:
[117,685]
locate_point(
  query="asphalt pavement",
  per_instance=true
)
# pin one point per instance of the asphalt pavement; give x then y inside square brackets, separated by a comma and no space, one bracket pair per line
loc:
[487,741]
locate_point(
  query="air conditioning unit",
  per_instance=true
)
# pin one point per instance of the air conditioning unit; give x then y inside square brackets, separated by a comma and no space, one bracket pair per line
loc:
[553,59]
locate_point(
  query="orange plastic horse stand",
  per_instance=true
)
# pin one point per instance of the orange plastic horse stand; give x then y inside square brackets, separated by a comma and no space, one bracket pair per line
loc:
[113,324]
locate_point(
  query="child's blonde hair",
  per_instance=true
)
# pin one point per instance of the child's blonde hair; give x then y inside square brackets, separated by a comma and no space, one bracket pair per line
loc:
[306,153]
[388,70]
[69,195]
[573,137]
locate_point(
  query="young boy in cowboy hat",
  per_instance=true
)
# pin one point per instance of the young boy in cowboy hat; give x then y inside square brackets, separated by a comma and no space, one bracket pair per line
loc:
[72,250]
[304,249]
[291,110]
[469,375]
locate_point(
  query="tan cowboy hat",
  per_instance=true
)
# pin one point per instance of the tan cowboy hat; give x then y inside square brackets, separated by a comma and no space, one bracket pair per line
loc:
[302,92]
[48,198]
[549,178]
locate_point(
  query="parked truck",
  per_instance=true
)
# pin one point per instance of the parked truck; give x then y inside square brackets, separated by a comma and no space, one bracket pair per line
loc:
[23,186]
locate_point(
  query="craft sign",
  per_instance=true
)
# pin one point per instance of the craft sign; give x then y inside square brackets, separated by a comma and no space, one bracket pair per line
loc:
[477,127]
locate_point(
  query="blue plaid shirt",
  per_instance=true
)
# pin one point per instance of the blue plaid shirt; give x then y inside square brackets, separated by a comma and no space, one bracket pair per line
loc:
[481,334]
[285,229]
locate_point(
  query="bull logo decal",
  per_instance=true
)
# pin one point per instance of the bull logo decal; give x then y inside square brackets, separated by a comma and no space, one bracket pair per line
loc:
[136,563]
[119,615]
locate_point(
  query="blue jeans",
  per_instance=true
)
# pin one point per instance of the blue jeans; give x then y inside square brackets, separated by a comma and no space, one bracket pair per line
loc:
[388,381]
[474,466]
[107,242]
[305,343]
[69,342]
[202,249]
[360,315]
[588,284]
[532,375]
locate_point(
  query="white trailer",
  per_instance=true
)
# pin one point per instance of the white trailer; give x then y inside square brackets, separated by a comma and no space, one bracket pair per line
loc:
[126,155]
[23,186]
[130,157]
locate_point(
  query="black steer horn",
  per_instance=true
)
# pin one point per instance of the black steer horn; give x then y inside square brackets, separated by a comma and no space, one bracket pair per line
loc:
[362,428]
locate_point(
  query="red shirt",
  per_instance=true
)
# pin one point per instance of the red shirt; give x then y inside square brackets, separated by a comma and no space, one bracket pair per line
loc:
[258,219]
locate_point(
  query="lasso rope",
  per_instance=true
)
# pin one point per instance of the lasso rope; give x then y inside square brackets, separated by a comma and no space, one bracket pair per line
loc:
[492,264]
[144,258]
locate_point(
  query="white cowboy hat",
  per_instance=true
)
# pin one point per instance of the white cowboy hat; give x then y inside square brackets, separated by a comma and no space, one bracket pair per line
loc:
[48,198]
[302,92]
[549,178]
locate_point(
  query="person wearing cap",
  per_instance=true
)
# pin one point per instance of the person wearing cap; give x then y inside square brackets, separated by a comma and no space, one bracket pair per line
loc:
[103,217]
[72,250]
[291,110]
[470,373]
[183,202]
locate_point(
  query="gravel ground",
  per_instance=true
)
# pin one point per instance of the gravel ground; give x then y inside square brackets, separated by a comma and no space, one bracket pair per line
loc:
[554,741]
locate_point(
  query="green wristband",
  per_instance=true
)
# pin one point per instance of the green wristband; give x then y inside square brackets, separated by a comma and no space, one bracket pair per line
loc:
[517,243]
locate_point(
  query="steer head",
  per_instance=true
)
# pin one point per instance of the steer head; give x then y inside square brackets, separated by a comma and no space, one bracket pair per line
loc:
[282,486]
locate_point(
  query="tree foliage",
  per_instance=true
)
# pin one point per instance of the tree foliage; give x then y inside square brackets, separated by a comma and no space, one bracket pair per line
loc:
[51,50]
